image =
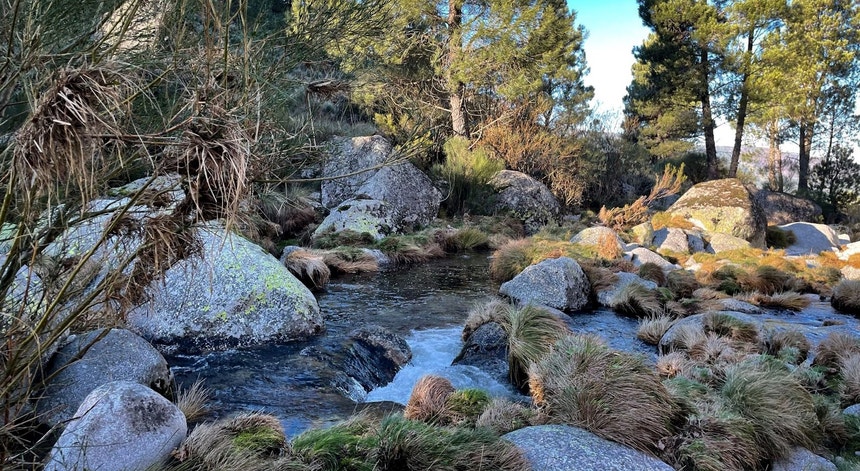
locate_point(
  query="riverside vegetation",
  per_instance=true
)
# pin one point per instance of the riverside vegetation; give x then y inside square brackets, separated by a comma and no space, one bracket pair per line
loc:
[234,104]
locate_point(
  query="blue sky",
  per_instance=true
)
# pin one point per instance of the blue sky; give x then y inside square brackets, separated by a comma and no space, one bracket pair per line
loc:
[614,28]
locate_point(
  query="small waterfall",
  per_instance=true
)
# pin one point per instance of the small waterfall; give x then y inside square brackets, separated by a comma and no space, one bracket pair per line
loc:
[433,350]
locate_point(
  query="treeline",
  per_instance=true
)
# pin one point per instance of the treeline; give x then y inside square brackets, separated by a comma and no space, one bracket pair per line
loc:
[780,71]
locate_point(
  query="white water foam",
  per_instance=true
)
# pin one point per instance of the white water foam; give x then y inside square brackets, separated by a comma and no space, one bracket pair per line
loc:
[433,350]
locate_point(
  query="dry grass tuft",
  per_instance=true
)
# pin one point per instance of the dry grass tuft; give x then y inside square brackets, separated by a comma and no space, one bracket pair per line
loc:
[708,294]
[846,297]
[716,439]
[652,271]
[673,364]
[599,277]
[849,369]
[236,443]
[583,382]
[309,268]
[504,416]
[427,403]
[714,350]
[635,300]
[350,261]
[510,259]
[608,248]
[531,334]
[835,346]
[765,279]
[786,300]
[726,325]
[194,402]
[651,329]
[790,345]
[494,310]
[686,336]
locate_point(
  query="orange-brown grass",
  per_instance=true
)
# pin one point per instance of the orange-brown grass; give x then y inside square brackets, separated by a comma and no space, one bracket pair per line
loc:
[350,262]
[707,294]
[608,248]
[682,283]
[846,297]
[613,394]
[835,346]
[663,220]
[786,300]
[854,260]
[310,268]
[673,364]
[599,277]
[652,328]
[652,271]
[427,403]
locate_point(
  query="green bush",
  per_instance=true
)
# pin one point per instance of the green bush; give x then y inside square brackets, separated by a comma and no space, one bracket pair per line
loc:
[467,172]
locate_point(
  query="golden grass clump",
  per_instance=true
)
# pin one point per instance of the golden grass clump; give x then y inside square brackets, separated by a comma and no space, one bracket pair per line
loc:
[494,310]
[786,300]
[504,416]
[458,240]
[509,260]
[673,364]
[532,331]
[350,261]
[194,401]
[652,271]
[615,395]
[846,297]
[835,346]
[607,247]
[310,268]
[652,328]
[635,300]
[428,401]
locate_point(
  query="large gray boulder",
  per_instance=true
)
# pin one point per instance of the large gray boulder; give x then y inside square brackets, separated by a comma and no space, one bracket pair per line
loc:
[724,206]
[374,355]
[641,255]
[486,348]
[120,426]
[678,240]
[524,198]
[811,238]
[724,242]
[90,360]
[801,459]
[372,217]
[364,168]
[566,448]
[233,294]
[559,283]
[782,208]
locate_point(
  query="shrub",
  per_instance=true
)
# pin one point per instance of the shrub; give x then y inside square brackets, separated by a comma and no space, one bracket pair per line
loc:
[635,300]
[781,411]
[427,402]
[777,238]
[652,271]
[846,297]
[682,282]
[651,329]
[466,405]
[467,172]
[583,382]
[532,331]
[623,218]
[504,416]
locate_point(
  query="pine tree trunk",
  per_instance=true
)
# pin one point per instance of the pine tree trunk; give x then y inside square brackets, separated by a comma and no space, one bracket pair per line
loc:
[455,88]
[742,110]
[708,120]
[805,141]
[774,157]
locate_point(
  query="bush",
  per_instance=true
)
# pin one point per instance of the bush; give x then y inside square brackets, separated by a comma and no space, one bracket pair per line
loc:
[777,238]
[846,297]
[467,172]
[584,383]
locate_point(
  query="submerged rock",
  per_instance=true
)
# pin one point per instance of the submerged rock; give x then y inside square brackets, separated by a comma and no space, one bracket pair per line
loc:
[120,426]
[566,448]
[487,349]
[559,283]
[95,358]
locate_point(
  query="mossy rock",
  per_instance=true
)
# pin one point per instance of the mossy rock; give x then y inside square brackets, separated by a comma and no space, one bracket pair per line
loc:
[724,206]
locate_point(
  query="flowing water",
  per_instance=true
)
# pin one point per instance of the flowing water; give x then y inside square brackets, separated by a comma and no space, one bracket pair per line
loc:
[425,304]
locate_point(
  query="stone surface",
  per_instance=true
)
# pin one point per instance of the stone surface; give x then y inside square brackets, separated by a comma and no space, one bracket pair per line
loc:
[724,206]
[120,426]
[736,305]
[801,459]
[672,238]
[525,198]
[607,297]
[90,360]
[852,410]
[782,208]
[811,238]
[558,283]
[404,196]
[486,348]
[595,236]
[643,234]
[234,294]
[642,255]
[849,250]
[375,355]
[850,273]
[724,242]
[373,217]
[565,448]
